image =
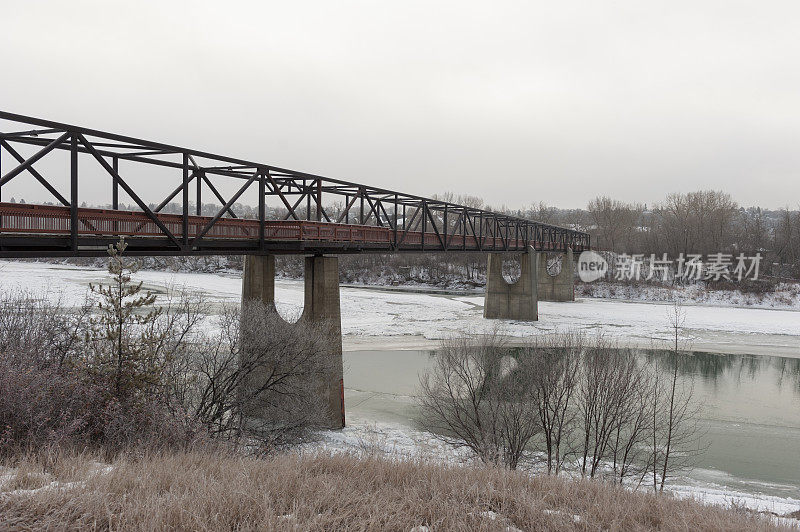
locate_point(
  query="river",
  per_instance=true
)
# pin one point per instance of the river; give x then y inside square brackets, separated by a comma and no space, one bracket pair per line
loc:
[749,411]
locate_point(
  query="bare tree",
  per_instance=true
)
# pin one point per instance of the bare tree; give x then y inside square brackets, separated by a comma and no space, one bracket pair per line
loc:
[610,382]
[630,451]
[555,385]
[615,223]
[542,212]
[787,239]
[565,395]
[478,396]
[696,222]
[675,434]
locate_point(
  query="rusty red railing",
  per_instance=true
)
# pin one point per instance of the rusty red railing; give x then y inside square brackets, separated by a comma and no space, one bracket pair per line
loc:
[55,220]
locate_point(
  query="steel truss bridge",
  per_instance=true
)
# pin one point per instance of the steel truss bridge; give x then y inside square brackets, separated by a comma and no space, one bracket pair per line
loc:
[314,214]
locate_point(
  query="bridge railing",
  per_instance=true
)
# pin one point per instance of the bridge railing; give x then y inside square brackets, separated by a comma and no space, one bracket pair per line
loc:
[54,220]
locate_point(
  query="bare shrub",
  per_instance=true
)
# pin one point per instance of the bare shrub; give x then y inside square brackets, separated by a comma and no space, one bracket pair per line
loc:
[60,407]
[137,373]
[35,331]
[57,390]
[594,400]
[478,396]
[44,406]
[43,400]
[257,378]
[566,396]
[146,376]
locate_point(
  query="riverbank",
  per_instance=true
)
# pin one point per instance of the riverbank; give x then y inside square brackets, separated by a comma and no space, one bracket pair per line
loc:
[313,491]
[767,294]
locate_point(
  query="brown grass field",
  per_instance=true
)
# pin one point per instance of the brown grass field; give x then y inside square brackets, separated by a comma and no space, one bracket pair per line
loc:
[208,491]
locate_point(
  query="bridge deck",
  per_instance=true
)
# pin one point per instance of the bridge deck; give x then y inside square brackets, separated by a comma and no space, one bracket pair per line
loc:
[37,230]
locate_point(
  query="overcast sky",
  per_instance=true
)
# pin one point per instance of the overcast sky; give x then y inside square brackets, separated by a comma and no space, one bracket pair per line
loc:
[515,102]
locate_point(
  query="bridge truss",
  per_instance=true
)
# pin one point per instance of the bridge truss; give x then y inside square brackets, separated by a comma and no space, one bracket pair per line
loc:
[315,214]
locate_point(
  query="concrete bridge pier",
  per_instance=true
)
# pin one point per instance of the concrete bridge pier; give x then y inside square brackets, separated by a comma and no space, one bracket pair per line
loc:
[559,287]
[258,279]
[520,300]
[321,305]
[512,301]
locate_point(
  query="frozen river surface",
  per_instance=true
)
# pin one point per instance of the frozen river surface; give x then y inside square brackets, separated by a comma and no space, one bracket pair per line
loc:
[375,318]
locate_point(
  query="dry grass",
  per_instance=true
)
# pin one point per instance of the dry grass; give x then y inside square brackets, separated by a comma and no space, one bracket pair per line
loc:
[203,491]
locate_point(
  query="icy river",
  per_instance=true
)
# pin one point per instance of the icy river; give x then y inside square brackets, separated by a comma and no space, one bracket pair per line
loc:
[745,370]
[749,414]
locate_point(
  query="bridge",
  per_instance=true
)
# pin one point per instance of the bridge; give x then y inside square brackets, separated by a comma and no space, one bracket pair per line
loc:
[297,213]
[315,214]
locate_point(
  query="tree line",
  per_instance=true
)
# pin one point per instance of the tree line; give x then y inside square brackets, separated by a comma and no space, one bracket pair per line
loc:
[702,222]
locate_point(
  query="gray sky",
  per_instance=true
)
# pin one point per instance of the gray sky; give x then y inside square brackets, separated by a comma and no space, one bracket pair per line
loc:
[515,102]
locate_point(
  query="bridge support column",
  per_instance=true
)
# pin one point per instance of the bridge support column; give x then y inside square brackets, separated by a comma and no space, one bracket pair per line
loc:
[321,305]
[258,279]
[560,287]
[515,301]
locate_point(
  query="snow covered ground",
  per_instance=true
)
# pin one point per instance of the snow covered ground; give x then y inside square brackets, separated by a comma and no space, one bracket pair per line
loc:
[370,316]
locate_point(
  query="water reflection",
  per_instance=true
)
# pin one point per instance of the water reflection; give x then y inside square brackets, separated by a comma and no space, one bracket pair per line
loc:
[789,373]
[714,368]
[750,408]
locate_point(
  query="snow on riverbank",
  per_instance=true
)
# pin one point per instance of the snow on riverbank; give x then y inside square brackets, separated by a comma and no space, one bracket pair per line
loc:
[785,295]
